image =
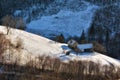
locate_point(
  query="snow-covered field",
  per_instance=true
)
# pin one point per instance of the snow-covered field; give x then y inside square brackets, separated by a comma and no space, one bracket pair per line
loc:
[67,22]
[34,46]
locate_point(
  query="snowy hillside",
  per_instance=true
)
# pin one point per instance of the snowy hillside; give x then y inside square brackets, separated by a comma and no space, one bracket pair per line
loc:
[66,21]
[34,46]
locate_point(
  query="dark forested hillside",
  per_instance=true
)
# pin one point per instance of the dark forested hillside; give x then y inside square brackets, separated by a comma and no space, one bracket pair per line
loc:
[106,26]
[10,6]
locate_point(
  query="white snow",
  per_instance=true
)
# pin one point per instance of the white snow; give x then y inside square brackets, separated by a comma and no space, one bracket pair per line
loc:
[67,22]
[34,46]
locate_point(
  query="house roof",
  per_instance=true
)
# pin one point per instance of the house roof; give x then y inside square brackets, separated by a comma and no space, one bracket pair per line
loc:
[85,46]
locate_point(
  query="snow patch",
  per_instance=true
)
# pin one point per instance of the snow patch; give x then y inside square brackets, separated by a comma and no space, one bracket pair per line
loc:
[73,22]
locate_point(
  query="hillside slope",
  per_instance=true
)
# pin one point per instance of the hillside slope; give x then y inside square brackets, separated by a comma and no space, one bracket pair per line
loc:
[67,18]
[33,46]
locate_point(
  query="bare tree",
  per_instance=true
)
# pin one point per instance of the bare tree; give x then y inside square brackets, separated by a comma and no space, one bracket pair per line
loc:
[8,21]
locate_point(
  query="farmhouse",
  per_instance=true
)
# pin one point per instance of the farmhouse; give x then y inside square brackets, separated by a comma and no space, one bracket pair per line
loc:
[80,47]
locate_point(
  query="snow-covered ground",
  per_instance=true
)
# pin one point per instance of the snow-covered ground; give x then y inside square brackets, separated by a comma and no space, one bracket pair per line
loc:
[67,22]
[32,45]
[35,46]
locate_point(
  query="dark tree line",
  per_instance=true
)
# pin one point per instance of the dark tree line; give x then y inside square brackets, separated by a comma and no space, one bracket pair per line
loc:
[8,7]
[103,36]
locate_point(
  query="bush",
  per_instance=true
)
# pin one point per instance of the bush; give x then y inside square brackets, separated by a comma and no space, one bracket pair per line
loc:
[98,47]
[17,44]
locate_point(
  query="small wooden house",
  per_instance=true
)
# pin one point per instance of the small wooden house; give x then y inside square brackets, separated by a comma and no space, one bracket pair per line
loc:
[80,47]
[72,44]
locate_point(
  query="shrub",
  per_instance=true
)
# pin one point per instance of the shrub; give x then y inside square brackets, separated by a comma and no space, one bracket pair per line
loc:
[17,44]
[98,47]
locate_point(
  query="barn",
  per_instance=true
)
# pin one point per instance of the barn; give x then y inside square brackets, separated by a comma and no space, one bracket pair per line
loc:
[85,47]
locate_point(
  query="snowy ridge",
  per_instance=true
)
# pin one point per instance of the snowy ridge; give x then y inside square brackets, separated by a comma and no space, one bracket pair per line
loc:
[34,46]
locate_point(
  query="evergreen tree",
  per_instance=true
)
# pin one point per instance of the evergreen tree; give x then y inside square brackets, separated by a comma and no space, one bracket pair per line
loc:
[92,30]
[82,38]
[60,38]
[91,33]
[107,38]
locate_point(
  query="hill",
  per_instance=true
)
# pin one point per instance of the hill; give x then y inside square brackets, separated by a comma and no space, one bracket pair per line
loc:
[34,46]
[28,54]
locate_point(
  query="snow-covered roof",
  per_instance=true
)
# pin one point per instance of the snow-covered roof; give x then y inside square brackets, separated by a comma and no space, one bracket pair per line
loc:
[85,46]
